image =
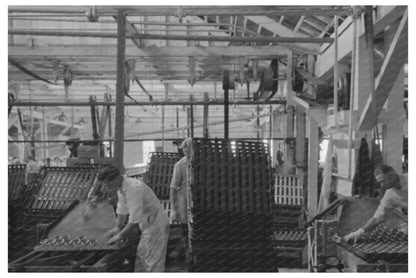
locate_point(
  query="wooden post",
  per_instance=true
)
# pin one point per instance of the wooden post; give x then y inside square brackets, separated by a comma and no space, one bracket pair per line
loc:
[336,71]
[289,132]
[119,121]
[177,120]
[394,132]
[44,134]
[369,35]
[258,122]
[191,116]
[188,121]
[206,111]
[225,86]
[313,158]
[300,142]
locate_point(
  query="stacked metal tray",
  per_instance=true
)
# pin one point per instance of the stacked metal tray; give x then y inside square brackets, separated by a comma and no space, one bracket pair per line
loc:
[56,188]
[159,172]
[16,179]
[230,227]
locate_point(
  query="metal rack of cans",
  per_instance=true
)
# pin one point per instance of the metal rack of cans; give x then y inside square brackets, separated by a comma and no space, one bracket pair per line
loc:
[63,254]
[381,243]
[229,204]
[53,192]
[159,172]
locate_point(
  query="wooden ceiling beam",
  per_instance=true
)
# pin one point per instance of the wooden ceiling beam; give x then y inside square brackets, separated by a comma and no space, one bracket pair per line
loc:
[298,24]
[187,10]
[97,51]
[325,62]
[59,33]
[282,31]
[150,103]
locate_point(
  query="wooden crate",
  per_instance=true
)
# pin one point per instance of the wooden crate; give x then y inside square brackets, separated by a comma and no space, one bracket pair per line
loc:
[288,190]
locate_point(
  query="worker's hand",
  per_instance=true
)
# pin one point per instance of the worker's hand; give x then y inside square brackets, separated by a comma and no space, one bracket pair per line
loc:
[355,236]
[111,233]
[114,239]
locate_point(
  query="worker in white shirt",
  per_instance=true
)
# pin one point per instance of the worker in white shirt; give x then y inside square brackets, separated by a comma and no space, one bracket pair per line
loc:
[392,197]
[138,202]
[179,184]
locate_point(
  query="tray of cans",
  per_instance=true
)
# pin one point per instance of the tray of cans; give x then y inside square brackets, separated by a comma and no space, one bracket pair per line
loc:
[381,243]
[66,243]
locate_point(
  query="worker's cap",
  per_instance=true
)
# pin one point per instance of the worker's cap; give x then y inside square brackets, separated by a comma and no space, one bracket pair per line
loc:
[187,142]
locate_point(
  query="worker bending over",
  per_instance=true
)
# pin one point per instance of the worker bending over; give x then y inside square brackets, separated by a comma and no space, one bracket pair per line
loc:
[392,197]
[138,202]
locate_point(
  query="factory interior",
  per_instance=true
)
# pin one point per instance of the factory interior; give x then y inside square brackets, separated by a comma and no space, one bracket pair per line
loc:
[233,138]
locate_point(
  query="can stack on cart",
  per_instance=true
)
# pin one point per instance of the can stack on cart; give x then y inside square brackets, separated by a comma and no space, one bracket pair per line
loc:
[230,228]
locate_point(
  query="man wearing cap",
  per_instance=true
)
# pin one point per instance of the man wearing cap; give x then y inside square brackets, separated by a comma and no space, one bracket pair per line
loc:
[179,183]
[138,202]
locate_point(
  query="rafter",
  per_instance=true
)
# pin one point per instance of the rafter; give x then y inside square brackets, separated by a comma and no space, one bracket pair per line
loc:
[280,30]
[324,65]
[298,24]
[108,51]
[59,33]
[387,77]
[187,10]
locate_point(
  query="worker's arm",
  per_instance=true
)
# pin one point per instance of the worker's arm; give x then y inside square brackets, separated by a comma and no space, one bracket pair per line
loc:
[121,221]
[378,217]
[374,221]
[128,228]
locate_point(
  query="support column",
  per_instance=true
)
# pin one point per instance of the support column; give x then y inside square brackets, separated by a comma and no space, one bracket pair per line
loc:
[300,142]
[313,157]
[275,133]
[206,111]
[225,87]
[289,133]
[44,135]
[191,116]
[394,132]
[121,52]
